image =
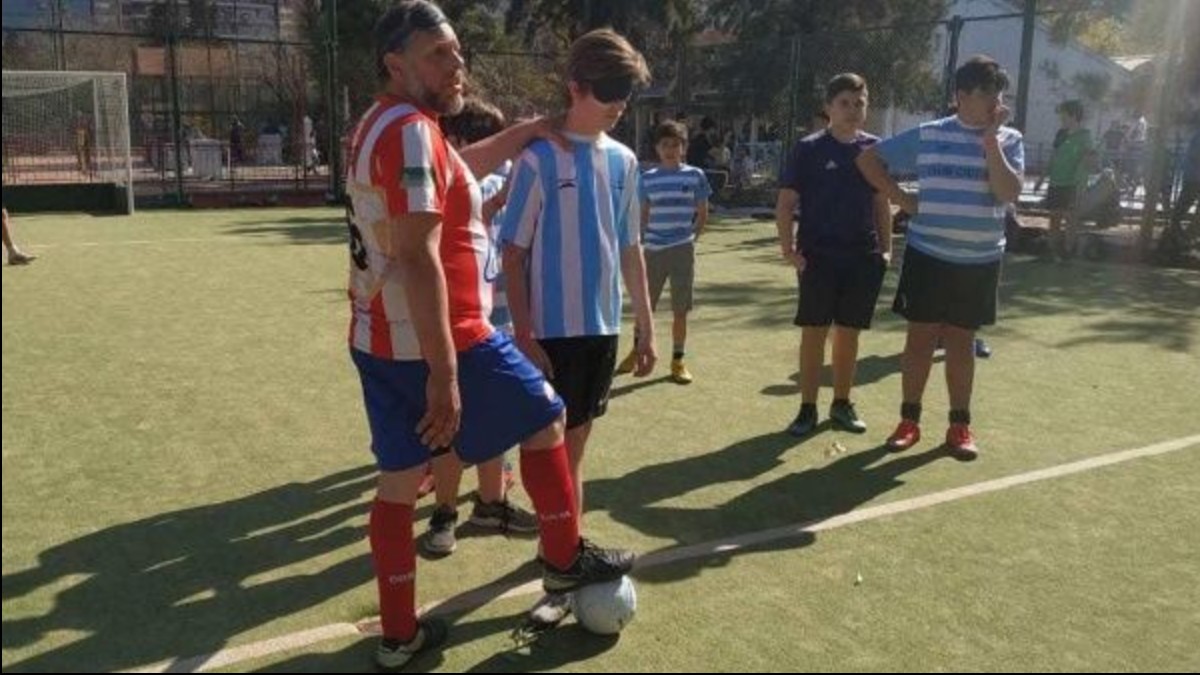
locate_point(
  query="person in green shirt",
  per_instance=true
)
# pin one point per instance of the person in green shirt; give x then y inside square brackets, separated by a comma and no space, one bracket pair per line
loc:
[1069,166]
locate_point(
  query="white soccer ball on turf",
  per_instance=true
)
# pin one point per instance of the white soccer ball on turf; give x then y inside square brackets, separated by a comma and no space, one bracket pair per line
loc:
[606,608]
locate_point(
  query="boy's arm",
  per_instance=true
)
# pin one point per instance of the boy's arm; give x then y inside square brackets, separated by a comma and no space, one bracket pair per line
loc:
[1004,180]
[785,210]
[703,193]
[516,279]
[701,217]
[876,173]
[1091,161]
[633,271]
[883,226]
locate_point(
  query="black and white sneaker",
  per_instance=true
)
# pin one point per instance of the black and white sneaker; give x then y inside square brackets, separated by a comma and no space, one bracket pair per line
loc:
[592,565]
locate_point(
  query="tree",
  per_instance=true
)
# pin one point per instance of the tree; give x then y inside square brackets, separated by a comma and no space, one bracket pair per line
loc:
[642,22]
[1111,26]
[802,43]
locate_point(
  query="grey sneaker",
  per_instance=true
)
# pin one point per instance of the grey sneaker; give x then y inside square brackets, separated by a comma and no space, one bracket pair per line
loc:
[439,539]
[503,516]
[550,610]
[394,654]
[592,565]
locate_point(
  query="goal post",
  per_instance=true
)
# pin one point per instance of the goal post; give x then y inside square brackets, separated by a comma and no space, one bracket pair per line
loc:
[67,141]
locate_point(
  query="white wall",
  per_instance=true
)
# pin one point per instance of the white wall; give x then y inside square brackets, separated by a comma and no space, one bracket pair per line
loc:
[1001,39]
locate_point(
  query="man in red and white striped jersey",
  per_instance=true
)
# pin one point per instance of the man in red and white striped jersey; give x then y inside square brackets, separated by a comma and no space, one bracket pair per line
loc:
[435,374]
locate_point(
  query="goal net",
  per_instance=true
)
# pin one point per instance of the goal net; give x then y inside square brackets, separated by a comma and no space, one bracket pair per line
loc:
[68,129]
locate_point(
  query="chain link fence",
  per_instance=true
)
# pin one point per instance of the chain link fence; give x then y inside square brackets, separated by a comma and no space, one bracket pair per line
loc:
[222,106]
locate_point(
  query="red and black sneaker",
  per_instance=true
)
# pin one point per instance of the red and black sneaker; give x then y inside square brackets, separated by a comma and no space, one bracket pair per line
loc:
[906,435]
[960,443]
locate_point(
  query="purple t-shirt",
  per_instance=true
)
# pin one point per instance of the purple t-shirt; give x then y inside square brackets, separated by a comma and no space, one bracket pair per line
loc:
[837,209]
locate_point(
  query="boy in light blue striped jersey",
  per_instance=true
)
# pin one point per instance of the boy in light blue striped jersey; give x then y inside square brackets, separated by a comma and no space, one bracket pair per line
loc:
[674,199]
[969,167]
[570,233]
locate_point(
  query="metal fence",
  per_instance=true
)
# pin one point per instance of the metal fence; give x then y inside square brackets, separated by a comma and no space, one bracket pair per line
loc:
[240,101]
[217,107]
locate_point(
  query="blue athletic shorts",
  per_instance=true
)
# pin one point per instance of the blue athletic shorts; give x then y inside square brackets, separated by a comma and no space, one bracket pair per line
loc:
[505,400]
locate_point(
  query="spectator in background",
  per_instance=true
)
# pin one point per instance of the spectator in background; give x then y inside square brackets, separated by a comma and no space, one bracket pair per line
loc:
[719,157]
[702,143]
[237,133]
[83,142]
[742,170]
[311,157]
[1174,239]
[1114,138]
[1069,167]
[1134,153]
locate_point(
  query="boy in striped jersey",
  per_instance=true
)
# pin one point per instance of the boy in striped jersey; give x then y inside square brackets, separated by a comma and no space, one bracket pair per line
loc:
[970,168]
[570,232]
[435,374]
[674,199]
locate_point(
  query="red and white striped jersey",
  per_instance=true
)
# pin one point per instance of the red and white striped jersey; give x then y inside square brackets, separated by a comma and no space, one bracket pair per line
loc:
[399,163]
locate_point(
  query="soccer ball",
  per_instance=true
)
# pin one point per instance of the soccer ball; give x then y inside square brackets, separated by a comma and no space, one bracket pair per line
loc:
[606,608]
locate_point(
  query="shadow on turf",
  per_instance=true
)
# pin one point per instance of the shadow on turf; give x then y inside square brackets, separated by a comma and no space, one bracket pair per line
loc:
[295,230]
[870,369]
[1156,305]
[547,649]
[633,384]
[558,647]
[183,582]
[805,497]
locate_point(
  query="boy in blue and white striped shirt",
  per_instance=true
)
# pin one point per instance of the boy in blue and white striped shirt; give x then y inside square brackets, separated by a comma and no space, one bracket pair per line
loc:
[969,168]
[570,231]
[674,200]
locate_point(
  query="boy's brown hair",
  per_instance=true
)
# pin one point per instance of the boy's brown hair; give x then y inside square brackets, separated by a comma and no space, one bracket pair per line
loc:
[477,121]
[980,72]
[603,54]
[671,129]
[844,82]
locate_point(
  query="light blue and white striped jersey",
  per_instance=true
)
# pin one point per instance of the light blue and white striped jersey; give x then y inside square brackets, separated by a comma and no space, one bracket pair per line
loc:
[673,196]
[493,273]
[958,218]
[574,210]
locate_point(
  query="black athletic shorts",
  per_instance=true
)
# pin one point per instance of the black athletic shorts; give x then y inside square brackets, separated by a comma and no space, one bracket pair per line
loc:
[583,374]
[841,291]
[932,290]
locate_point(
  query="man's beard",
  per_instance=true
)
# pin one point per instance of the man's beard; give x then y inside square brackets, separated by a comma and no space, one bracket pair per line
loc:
[442,104]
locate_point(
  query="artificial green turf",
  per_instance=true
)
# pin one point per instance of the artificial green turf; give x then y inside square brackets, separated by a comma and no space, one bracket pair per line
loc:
[185,466]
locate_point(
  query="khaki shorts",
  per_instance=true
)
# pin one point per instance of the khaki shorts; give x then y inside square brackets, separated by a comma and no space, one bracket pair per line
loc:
[677,263]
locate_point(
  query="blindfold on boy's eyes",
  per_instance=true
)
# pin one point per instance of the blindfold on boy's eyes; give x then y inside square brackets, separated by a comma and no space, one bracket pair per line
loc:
[612,89]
